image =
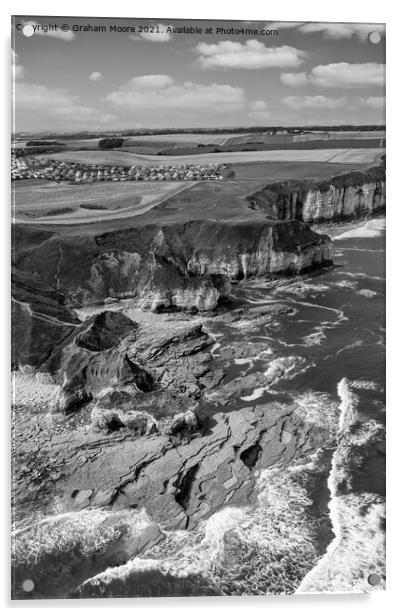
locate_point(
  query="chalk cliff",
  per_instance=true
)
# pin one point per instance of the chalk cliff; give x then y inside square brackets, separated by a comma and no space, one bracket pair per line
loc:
[184,265]
[345,196]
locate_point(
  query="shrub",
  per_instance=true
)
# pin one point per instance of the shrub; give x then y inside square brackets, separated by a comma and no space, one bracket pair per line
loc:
[110,142]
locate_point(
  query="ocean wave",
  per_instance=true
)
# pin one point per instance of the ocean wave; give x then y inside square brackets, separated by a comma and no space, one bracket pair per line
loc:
[87,531]
[258,392]
[267,548]
[347,347]
[272,546]
[356,249]
[367,385]
[358,548]
[372,228]
[318,334]
[363,275]
[359,551]
[366,292]
[250,361]
[302,289]
[340,315]
[318,409]
[282,368]
[347,284]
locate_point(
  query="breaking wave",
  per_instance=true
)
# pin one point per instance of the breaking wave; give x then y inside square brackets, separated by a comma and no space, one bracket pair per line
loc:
[372,228]
[358,548]
[87,531]
[265,549]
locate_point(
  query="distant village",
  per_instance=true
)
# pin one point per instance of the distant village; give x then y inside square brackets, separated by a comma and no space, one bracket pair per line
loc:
[23,168]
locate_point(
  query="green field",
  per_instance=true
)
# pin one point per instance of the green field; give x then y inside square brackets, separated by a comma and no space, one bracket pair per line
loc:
[118,158]
[41,198]
[265,172]
[239,139]
[225,200]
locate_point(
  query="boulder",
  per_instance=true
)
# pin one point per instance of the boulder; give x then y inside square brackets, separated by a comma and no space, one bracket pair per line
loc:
[110,420]
[104,331]
[186,421]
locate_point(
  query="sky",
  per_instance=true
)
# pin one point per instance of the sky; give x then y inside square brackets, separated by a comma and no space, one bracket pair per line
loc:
[69,78]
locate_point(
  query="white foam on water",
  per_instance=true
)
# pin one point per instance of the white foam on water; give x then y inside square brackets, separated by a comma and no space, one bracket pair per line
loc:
[347,284]
[249,550]
[258,392]
[366,292]
[270,547]
[250,361]
[319,409]
[340,315]
[352,345]
[89,530]
[183,552]
[348,404]
[302,289]
[280,368]
[372,228]
[356,249]
[363,276]
[367,385]
[358,547]
[316,338]
[318,334]
[285,368]
[264,548]
[214,348]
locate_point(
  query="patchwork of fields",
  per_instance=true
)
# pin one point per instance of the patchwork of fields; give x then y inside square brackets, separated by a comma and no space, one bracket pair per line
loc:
[113,157]
[233,139]
[60,201]
[109,204]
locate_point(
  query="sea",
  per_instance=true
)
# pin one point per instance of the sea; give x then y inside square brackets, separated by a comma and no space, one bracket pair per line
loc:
[326,354]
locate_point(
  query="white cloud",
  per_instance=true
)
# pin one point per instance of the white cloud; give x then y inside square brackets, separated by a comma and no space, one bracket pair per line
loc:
[341,31]
[260,116]
[294,79]
[313,102]
[259,112]
[159,94]
[163,36]
[339,75]
[151,82]
[343,74]
[41,30]
[96,76]
[330,30]
[283,25]
[56,103]
[252,54]
[373,102]
[17,70]
[258,105]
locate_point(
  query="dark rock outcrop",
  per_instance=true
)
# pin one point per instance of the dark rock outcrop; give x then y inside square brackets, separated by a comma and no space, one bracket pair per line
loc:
[150,367]
[179,481]
[182,265]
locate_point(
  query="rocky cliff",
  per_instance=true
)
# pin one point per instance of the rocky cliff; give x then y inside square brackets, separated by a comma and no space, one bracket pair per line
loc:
[182,265]
[345,196]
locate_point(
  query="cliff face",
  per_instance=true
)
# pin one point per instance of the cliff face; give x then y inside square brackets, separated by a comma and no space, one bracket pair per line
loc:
[345,196]
[186,266]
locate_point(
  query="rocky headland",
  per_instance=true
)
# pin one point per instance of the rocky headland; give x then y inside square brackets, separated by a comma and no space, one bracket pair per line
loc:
[346,196]
[117,412]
